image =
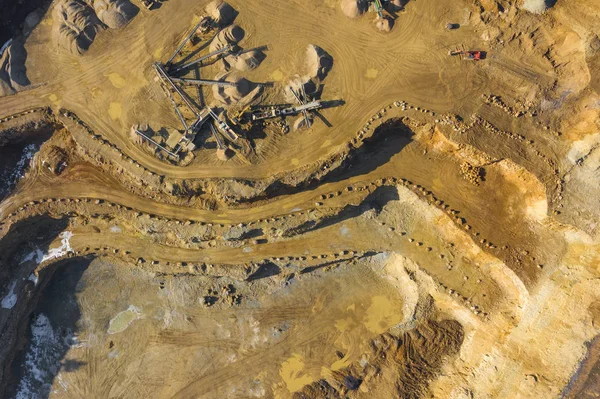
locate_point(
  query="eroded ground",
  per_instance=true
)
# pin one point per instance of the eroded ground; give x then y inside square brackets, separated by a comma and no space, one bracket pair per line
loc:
[438,239]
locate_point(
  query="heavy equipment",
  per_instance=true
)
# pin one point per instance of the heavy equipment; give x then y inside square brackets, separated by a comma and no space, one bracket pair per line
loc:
[282,111]
[378,8]
[471,55]
[301,98]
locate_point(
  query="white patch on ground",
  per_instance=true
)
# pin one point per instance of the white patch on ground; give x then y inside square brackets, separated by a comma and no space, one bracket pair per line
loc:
[258,392]
[247,249]
[38,256]
[42,360]
[537,210]
[344,230]
[64,248]
[581,148]
[10,299]
[115,229]
[123,319]
[535,6]
[34,278]
[255,329]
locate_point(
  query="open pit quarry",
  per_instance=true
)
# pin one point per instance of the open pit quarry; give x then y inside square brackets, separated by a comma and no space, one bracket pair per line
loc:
[300,199]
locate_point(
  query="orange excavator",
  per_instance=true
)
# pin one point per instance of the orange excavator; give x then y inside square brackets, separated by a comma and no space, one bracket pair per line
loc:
[468,55]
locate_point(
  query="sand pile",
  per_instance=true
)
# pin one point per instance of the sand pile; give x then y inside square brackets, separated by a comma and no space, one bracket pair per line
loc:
[231,35]
[318,61]
[300,84]
[224,154]
[243,92]
[384,24]
[354,8]
[114,13]
[395,5]
[246,61]
[221,12]
[75,25]
[13,76]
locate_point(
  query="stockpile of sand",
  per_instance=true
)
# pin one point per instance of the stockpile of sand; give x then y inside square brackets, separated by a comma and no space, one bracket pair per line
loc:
[318,64]
[308,87]
[395,5]
[300,84]
[318,61]
[221,12]
[75,25]
[231,35]
[114,13]
[354,8]
[384,24]
[243,91]
[246,61]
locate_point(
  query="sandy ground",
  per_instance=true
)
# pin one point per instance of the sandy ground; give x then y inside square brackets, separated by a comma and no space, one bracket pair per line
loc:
[439,240]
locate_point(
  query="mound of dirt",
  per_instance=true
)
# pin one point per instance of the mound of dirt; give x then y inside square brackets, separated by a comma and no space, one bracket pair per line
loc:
[75,25]
[417,356]
[354,8]
[13,74]
[224,154]
[5,80]
[231,35]
[246,61]
[221,12]
[114,13]
[5,88]
[318,61]
[243,91]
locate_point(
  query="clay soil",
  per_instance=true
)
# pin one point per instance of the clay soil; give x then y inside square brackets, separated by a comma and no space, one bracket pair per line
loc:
[438,237]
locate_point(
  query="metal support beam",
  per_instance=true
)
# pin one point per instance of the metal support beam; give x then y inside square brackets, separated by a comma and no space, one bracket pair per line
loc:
[217,138]
[187,38]
[379,8]
[156,144]
[199,60]
[202,82]
[223,126]
[165,77]
[306,118]
[275,112]
[185,126]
